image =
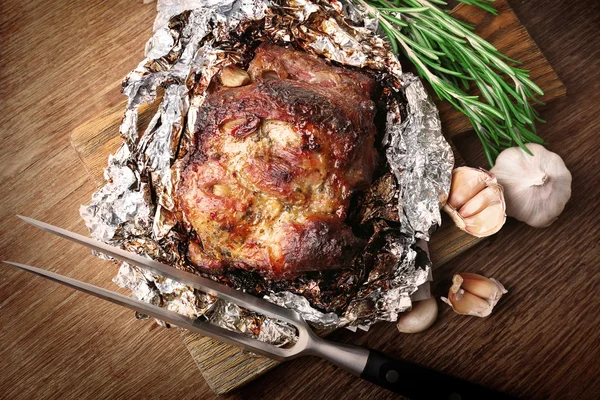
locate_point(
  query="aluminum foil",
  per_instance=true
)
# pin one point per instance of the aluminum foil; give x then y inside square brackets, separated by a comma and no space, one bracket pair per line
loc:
[422,174]
[192,41]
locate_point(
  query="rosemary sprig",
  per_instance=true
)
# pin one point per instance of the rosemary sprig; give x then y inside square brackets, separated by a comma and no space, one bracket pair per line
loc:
[452,58]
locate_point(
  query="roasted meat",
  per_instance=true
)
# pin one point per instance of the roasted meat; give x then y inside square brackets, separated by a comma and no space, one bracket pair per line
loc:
[268,182]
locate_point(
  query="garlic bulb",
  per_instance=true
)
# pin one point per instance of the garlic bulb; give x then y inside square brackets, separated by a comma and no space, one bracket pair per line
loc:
[473,294]
[476,202]
[537,186]
[422,316]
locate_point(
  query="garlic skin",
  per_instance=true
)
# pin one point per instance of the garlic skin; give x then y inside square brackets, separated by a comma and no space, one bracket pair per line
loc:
[473,294]
[536,187]
[476,202]
[422,316]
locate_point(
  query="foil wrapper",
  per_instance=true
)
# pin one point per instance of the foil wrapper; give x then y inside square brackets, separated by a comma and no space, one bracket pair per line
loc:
[421,174]
[192,41]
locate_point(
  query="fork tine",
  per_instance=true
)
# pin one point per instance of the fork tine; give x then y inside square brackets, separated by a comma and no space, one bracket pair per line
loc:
[203,327]
[238,297]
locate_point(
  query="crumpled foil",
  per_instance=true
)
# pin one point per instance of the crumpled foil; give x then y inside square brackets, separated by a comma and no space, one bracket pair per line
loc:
[421,174]
[192,41]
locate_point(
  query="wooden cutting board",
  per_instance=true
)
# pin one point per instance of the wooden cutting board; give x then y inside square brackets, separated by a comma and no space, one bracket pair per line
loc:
[226,368]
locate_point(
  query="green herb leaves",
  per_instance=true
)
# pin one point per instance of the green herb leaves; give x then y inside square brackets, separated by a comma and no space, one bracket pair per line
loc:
[453,59]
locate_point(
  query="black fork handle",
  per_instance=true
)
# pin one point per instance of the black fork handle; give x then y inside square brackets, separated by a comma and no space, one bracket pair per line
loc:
[418,382]
[400,376]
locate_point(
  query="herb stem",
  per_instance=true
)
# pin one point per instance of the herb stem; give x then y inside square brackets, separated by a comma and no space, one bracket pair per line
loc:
[447,53]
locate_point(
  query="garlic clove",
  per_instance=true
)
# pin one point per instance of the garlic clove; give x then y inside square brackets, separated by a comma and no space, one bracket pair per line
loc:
[479,285]
[422,316]
[489,196]
[232,76]
[487,222]
[466,183]
[473,294]
[483,213]
[458,220]
[537,187]
[468,304]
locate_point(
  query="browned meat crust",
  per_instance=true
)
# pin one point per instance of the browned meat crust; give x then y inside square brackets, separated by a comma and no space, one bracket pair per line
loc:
[268,184]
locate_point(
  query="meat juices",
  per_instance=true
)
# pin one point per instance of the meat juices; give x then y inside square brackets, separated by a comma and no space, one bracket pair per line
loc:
[268,184]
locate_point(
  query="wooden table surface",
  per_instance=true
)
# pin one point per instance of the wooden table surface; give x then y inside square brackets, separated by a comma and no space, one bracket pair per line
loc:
[57,58]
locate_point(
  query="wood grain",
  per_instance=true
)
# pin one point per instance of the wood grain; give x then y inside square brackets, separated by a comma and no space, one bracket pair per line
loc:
[224,367]
[95,139]
[56,60]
